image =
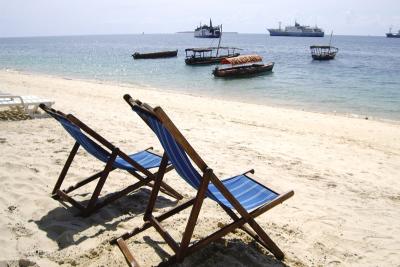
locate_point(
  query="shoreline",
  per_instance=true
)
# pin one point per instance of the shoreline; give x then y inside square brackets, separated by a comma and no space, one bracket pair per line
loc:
[344,172]
[205,95]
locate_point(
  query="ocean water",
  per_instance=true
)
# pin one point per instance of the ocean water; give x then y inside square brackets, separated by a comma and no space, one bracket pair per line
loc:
[364,78]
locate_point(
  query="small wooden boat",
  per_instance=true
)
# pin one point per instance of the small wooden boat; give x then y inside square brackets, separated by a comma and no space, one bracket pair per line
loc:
[323,52]
[209,55]
[163,54]
[247,67]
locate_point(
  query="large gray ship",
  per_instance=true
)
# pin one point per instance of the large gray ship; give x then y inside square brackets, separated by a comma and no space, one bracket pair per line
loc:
[297,30]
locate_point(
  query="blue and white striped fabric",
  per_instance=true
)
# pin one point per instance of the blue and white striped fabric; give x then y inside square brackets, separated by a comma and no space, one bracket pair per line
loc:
[249,193]
[146,159]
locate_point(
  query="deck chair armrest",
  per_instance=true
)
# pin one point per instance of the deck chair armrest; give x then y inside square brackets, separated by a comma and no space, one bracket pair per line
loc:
[269,205]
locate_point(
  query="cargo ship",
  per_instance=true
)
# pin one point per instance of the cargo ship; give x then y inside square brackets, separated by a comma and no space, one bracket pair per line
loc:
[206,31]
[297,31]
[392,35]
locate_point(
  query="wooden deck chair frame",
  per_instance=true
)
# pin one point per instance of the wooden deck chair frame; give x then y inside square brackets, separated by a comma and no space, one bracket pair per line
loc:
[147,177]
[241,218]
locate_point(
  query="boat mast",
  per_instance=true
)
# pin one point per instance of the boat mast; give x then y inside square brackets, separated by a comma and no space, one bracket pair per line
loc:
[219,41]
[330,41]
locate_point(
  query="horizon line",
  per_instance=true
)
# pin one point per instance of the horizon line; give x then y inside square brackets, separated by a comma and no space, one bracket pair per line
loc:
[155,33]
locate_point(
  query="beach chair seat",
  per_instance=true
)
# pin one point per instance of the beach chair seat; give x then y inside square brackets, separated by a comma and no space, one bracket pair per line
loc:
[244,189]
[137,164]
[242,197]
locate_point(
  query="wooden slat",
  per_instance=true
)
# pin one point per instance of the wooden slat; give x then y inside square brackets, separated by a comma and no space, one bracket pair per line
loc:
[128,255]
[194,214]
[69,199]
[167,237]
[159,218]
[66,167]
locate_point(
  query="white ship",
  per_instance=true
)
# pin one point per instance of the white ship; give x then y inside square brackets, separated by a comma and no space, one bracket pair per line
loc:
[206,31]
[297,30]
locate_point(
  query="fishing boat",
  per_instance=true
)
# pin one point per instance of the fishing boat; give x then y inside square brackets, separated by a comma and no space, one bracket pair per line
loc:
[243,66]
[162,54]
[324,52]
[209,55]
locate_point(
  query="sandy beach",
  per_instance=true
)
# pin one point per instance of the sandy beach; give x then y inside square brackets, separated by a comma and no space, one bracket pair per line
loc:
[344,171]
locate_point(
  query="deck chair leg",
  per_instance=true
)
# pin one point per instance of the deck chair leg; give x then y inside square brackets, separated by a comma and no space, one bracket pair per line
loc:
[156,187]
[266,239]
[194,214]
[249,231]
[65,169]
[109,166]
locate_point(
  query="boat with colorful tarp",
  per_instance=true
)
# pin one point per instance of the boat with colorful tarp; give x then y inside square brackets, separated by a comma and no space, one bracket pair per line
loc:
[243,66]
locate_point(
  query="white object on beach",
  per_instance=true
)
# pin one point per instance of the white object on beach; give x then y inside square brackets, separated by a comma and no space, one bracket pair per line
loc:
[28,103]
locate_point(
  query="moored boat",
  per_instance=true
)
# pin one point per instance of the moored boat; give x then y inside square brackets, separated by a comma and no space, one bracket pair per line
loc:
[323,52]
[243,66]
[209,55]
[162,54]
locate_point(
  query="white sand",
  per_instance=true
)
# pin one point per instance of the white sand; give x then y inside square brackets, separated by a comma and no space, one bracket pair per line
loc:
[344,171]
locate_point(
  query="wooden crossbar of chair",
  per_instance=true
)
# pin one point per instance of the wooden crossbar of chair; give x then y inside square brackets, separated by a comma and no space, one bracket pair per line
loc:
[241,218]
[145,177]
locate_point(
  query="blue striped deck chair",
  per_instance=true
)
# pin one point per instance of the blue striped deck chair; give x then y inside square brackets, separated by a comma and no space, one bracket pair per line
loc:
[137,164]
[241,196]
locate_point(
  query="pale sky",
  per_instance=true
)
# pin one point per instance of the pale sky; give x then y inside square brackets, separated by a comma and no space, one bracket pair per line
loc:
[79,17]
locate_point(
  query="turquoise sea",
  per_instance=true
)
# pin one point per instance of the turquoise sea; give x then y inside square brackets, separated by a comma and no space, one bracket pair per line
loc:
[364,79]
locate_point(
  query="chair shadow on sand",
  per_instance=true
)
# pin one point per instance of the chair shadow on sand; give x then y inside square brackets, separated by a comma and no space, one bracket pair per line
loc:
[62,224]
[223,252]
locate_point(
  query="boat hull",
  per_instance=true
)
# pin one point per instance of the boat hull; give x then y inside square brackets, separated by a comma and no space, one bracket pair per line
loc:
[391,35]
[323,57]
[295,34]
[207,60]
[207,34]
[244,71]
[163,54]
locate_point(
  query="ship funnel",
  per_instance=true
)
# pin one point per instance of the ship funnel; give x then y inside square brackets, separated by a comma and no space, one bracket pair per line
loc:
[210,23]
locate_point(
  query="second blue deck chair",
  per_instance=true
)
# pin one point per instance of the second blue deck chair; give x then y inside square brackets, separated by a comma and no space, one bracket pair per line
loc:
[137,164]
[241,196]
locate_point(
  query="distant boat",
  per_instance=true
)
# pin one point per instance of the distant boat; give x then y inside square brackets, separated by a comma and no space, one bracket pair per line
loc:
[324,52]
[297,31]
[392,35]
[247,67]
[162,54]
[206,31]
